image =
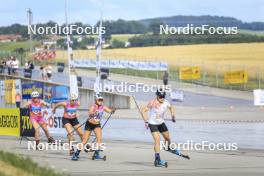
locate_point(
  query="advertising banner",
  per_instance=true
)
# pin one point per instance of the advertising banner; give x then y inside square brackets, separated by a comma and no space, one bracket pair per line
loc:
[9,122]
[10,91]
[27,89]
[2,88]
[190,73]
[236,77]
[54,122]
[26,129]
[74,85]
[59,94]
[136,65]
[259,97]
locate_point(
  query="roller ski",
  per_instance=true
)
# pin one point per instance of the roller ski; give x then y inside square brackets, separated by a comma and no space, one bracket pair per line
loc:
[176,152]
[160,163]
[51,140]
[97,156]
[75,156]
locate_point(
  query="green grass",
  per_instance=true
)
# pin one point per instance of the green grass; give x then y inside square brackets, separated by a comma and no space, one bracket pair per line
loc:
[258,33]
[122,37]
[26,164]
[10,46]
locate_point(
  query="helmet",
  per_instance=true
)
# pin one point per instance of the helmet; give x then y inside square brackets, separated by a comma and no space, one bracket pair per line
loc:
[161,93]
[34,94]
[98,96]
[73,96]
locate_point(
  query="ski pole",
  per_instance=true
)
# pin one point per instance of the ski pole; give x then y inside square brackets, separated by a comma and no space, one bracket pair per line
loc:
[104,124]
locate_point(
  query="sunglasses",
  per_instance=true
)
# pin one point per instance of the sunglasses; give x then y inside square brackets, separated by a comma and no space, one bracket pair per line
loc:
[100,99]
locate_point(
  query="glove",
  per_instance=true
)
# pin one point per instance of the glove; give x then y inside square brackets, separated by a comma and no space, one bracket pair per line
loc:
[173,119]
[113,110]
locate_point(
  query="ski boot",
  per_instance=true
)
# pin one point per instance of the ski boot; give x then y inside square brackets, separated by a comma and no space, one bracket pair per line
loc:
[97,156]
[75,156]
[160,163]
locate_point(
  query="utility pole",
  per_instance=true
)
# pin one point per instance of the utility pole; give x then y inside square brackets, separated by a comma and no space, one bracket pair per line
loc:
[30,20]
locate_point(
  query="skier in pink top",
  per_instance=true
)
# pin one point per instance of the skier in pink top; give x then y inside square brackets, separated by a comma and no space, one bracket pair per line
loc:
[70,117]
[96,112]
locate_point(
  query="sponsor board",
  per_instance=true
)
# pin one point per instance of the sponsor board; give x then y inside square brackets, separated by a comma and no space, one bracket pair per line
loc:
[190,73]
[9,121]
[59,94]
[27,89]
[26,128]
[236,77]
[54,122]
[259,97]
[11,88]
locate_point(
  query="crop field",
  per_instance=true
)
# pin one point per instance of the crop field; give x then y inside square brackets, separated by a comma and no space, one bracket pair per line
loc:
[208,56]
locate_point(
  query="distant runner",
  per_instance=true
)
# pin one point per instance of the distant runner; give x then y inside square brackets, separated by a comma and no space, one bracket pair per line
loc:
[157,109]
[70,116]
[35,106]
[96,112]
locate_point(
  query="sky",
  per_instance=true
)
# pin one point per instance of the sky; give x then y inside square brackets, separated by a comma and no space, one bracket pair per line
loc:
[88,11]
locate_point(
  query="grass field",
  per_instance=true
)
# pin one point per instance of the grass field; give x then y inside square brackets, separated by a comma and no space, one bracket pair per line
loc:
[12,164]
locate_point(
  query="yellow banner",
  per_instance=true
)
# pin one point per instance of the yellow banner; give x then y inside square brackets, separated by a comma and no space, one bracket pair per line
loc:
[10,91]
[190,73]
[9,121]
[236,77]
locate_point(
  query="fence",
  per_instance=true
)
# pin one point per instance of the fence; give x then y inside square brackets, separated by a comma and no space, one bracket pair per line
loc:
[211,75]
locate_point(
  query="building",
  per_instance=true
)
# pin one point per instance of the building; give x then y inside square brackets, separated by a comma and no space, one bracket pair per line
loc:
[9,38]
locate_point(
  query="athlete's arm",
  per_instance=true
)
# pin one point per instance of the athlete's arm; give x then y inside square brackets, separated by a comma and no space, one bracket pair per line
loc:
[46,104]
[172,111]
[26,105]
[58,105]
[109,110]
[143,112]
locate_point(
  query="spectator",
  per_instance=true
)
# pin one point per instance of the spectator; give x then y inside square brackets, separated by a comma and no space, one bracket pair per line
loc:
[18,100]
[9,67]
[43,73]
[165,78]
[49,72]
[3,65]
[14,65]
[29,65]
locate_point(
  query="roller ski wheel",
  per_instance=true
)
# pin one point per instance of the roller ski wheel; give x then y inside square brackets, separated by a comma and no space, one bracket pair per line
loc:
[99,158]
[160,163]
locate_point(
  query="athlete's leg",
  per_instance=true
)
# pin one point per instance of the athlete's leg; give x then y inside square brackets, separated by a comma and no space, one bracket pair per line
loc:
[45,129]
[156,137]
[79,131]
[166,136]
[69,128]
[81,146]
[98,134]
[36,128]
